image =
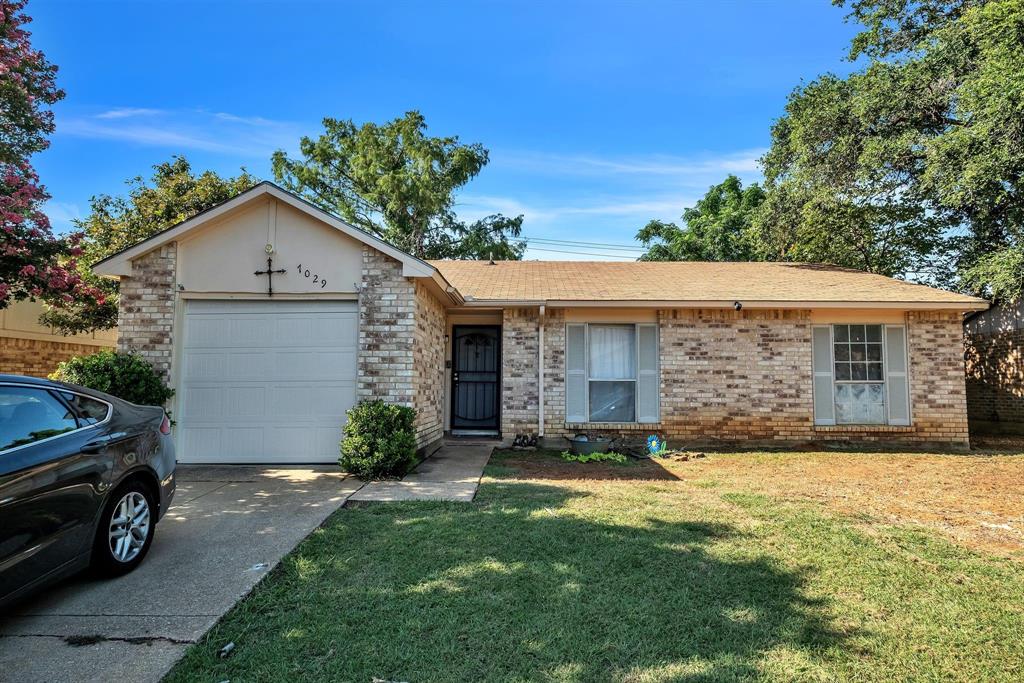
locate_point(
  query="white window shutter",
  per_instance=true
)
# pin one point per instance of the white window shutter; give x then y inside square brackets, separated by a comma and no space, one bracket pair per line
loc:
[896,385]
[575,373]
[648,386]
[824,400]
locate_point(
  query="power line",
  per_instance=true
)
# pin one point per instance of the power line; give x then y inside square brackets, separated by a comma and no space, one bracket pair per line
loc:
[631,257]
[573,243]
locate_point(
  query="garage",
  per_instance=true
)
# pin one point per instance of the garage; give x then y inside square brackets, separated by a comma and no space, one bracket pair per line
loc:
[265,381]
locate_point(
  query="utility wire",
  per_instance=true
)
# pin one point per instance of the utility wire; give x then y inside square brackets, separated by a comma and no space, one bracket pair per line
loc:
[631,257]
[590,245]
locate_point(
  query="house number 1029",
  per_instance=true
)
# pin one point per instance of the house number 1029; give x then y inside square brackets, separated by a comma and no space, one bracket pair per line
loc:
[317,280]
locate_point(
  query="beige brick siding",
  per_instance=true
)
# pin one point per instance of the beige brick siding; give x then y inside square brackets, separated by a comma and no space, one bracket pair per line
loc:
[745,377]
[938,391]
[519,348]
[995,377]
[735,375]
[38,358]
[428,366]
[401,344]
[554,373]
[146,314]
[387,309]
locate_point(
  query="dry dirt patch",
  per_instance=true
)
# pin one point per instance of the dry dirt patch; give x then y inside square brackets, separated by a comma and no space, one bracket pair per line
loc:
[976,500]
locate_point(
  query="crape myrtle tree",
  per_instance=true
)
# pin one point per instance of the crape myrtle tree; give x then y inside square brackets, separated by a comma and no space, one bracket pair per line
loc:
[398,183]
[33,262]
[173,194]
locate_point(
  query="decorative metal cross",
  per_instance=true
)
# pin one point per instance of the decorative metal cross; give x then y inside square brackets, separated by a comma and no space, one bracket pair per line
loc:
[269,272]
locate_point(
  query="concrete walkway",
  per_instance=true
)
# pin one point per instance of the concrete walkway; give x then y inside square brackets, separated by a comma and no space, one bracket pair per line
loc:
[227,527]
[452,473]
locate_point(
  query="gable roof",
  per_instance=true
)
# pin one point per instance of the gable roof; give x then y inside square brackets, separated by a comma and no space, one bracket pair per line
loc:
[121,263]
[690,283]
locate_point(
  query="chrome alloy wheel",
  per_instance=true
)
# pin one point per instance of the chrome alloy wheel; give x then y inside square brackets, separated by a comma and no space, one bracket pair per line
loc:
[129,527]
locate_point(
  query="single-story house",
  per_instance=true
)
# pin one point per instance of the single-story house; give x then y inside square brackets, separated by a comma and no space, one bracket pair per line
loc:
[271,317]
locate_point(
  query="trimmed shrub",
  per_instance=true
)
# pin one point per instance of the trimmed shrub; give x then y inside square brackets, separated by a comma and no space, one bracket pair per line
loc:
[380,440]
[127,376]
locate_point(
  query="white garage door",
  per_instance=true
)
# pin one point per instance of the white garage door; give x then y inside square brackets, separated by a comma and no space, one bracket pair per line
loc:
[266,381]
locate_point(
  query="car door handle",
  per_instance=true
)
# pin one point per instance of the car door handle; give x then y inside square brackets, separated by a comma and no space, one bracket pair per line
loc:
[97,446]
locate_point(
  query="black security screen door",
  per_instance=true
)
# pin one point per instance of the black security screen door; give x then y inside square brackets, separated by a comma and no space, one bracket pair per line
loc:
[476,377]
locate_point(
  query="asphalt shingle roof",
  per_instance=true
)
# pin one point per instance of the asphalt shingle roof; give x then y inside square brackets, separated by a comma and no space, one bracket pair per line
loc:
[538,281]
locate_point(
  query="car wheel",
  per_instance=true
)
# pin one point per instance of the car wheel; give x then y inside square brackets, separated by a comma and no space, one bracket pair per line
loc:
[126,530]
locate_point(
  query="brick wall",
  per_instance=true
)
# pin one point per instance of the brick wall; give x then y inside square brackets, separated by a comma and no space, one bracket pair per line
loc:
[744,377]
[36,357]
[995,377]
[519,388]
[401,344]
[387,309]
[554,375]
[428,367]
[735,375]
[145,318]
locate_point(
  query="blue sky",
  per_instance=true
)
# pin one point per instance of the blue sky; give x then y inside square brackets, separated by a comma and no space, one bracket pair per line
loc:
[598,115]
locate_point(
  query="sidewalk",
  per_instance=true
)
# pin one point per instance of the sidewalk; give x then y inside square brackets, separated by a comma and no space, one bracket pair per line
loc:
[452,473]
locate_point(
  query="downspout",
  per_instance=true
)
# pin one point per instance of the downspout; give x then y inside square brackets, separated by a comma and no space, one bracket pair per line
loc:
[540,374]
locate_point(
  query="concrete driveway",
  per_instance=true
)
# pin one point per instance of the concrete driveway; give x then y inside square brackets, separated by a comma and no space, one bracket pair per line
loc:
[227,527]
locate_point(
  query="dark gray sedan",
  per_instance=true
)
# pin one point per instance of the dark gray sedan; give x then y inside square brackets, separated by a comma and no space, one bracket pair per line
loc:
[84,478]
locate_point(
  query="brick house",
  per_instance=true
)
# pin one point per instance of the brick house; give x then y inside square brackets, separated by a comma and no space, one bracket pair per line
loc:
[265,364]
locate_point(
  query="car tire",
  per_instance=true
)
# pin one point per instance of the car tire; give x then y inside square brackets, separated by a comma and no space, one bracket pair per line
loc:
[125,531]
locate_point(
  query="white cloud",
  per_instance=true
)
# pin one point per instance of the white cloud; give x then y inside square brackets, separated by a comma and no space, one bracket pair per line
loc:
[472,207]
[739,162]
[128,112]
[186,129]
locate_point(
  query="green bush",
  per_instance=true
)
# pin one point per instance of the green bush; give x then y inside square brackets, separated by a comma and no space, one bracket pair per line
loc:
[125,375]
[380,440]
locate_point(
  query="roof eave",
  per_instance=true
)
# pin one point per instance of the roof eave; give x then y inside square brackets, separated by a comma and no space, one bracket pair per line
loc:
[967,305]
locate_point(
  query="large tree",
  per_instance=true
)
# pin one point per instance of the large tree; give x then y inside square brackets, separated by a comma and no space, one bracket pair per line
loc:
[33,262]
[717,228]
[398,183]
[913,164]
[173,194]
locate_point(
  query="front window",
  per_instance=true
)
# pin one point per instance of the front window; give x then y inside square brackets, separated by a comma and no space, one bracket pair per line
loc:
[859,374]
[612,373]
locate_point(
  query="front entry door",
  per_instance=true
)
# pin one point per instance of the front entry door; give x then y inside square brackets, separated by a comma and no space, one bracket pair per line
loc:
[476,377]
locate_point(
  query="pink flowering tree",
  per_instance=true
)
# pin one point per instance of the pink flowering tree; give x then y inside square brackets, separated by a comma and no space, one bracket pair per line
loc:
[33,262]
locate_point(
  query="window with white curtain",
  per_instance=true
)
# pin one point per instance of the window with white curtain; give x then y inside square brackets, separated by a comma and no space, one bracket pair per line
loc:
[612,373]
[860,374]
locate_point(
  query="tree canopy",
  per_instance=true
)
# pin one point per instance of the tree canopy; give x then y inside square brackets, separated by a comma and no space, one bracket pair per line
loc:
[912,164]
[173,194]
[718,228]
[398,183]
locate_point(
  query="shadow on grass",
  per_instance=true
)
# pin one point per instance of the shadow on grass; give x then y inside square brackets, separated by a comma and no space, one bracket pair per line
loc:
[545,464]
[523,585]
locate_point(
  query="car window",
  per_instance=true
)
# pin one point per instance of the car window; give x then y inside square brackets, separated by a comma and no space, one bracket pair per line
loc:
[28,415]
[89,410]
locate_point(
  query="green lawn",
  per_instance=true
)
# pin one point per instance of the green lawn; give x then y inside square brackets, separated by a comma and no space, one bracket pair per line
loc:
[622,581]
